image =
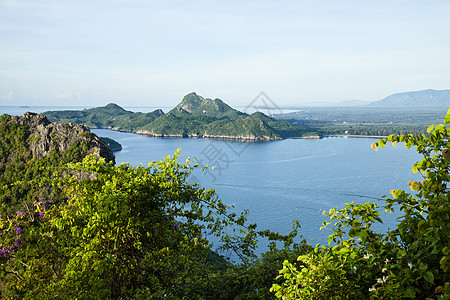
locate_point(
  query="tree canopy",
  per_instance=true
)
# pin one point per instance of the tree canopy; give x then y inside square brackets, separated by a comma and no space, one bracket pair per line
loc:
[127,232]
[123,232]
[410,261]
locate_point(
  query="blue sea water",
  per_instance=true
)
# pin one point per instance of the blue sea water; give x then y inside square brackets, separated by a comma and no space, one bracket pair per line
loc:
[278,181]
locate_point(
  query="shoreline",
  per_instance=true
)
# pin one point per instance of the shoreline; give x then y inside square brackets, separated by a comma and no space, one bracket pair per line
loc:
[196,136]
[360,136]
[238,139]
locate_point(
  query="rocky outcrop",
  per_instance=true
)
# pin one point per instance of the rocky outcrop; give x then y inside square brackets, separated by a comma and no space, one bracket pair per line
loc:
[249,137]
[45,136]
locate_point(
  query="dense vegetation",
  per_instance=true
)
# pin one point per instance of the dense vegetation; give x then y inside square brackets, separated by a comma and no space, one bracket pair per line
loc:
[410,261]
[109,231]
[193,117]
[73,227]
[366,121]
[199,117]
[26,178]
[114,145]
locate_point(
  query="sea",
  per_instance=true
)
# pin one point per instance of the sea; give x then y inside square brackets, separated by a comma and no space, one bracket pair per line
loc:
[280,181]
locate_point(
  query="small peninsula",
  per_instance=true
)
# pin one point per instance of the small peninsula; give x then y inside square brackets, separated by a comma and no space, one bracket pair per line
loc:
[193,117]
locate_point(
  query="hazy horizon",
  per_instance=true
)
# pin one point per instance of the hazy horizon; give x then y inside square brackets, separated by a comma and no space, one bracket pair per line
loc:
[151,53]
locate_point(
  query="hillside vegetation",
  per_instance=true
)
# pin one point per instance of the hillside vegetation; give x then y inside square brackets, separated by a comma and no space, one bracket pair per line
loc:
[31,152]
[411,261]
[375,121]
[73,225]
[195,116]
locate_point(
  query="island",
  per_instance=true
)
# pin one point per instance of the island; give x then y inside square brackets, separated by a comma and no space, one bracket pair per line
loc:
[113,144]
[193,117]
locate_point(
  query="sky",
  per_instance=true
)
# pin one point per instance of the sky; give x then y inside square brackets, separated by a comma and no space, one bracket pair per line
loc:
[152,53]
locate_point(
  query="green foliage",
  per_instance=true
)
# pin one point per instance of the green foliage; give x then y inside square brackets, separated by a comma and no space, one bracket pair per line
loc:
[411,261]
[72,229]
[127,232]
[114,145]
[24,178]
[194,116]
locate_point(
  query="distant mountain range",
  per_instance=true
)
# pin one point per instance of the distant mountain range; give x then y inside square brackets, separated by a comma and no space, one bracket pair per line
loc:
[425,98]
[195,116]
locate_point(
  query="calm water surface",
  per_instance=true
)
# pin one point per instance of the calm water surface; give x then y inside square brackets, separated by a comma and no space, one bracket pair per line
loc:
[284,180]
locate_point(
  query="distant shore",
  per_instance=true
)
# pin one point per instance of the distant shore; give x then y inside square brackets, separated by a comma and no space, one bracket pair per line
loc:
[196,136]
[358,136]
[239,139]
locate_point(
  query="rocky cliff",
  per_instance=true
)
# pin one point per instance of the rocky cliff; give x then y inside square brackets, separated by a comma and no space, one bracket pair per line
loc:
[43,136]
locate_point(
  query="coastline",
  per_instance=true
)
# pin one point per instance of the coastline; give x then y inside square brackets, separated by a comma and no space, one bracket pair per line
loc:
[205,136]
[359,136]
[243,139]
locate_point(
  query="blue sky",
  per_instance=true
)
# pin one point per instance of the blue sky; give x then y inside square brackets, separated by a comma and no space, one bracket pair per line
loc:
[152,53]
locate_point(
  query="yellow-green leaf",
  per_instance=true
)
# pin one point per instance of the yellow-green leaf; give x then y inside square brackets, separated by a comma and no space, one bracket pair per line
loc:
[429,277]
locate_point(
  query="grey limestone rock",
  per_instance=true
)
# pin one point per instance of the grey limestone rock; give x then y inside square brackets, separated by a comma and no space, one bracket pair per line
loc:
[45,136]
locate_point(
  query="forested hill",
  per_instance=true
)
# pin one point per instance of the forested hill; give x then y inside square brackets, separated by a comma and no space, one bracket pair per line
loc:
[195,116]
[31,151]
[425,98]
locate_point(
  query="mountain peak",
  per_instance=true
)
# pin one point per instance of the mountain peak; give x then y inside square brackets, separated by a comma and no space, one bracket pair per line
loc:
[197,105]
[424,98]
[113,106]
[190,102]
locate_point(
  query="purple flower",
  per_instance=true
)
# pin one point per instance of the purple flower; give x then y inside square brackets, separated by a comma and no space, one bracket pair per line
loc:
[19,231]
[41,214]
[1,216]
[175,226]
[20,213]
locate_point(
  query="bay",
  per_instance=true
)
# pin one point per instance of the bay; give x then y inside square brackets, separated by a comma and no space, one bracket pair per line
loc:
[280,181]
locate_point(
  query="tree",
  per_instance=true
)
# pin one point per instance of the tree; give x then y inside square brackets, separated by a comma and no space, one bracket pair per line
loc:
[124,232]
[411,261]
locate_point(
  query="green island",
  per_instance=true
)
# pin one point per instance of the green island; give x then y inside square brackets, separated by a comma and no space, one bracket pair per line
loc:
[73,225]
[197,117]
[194,117]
